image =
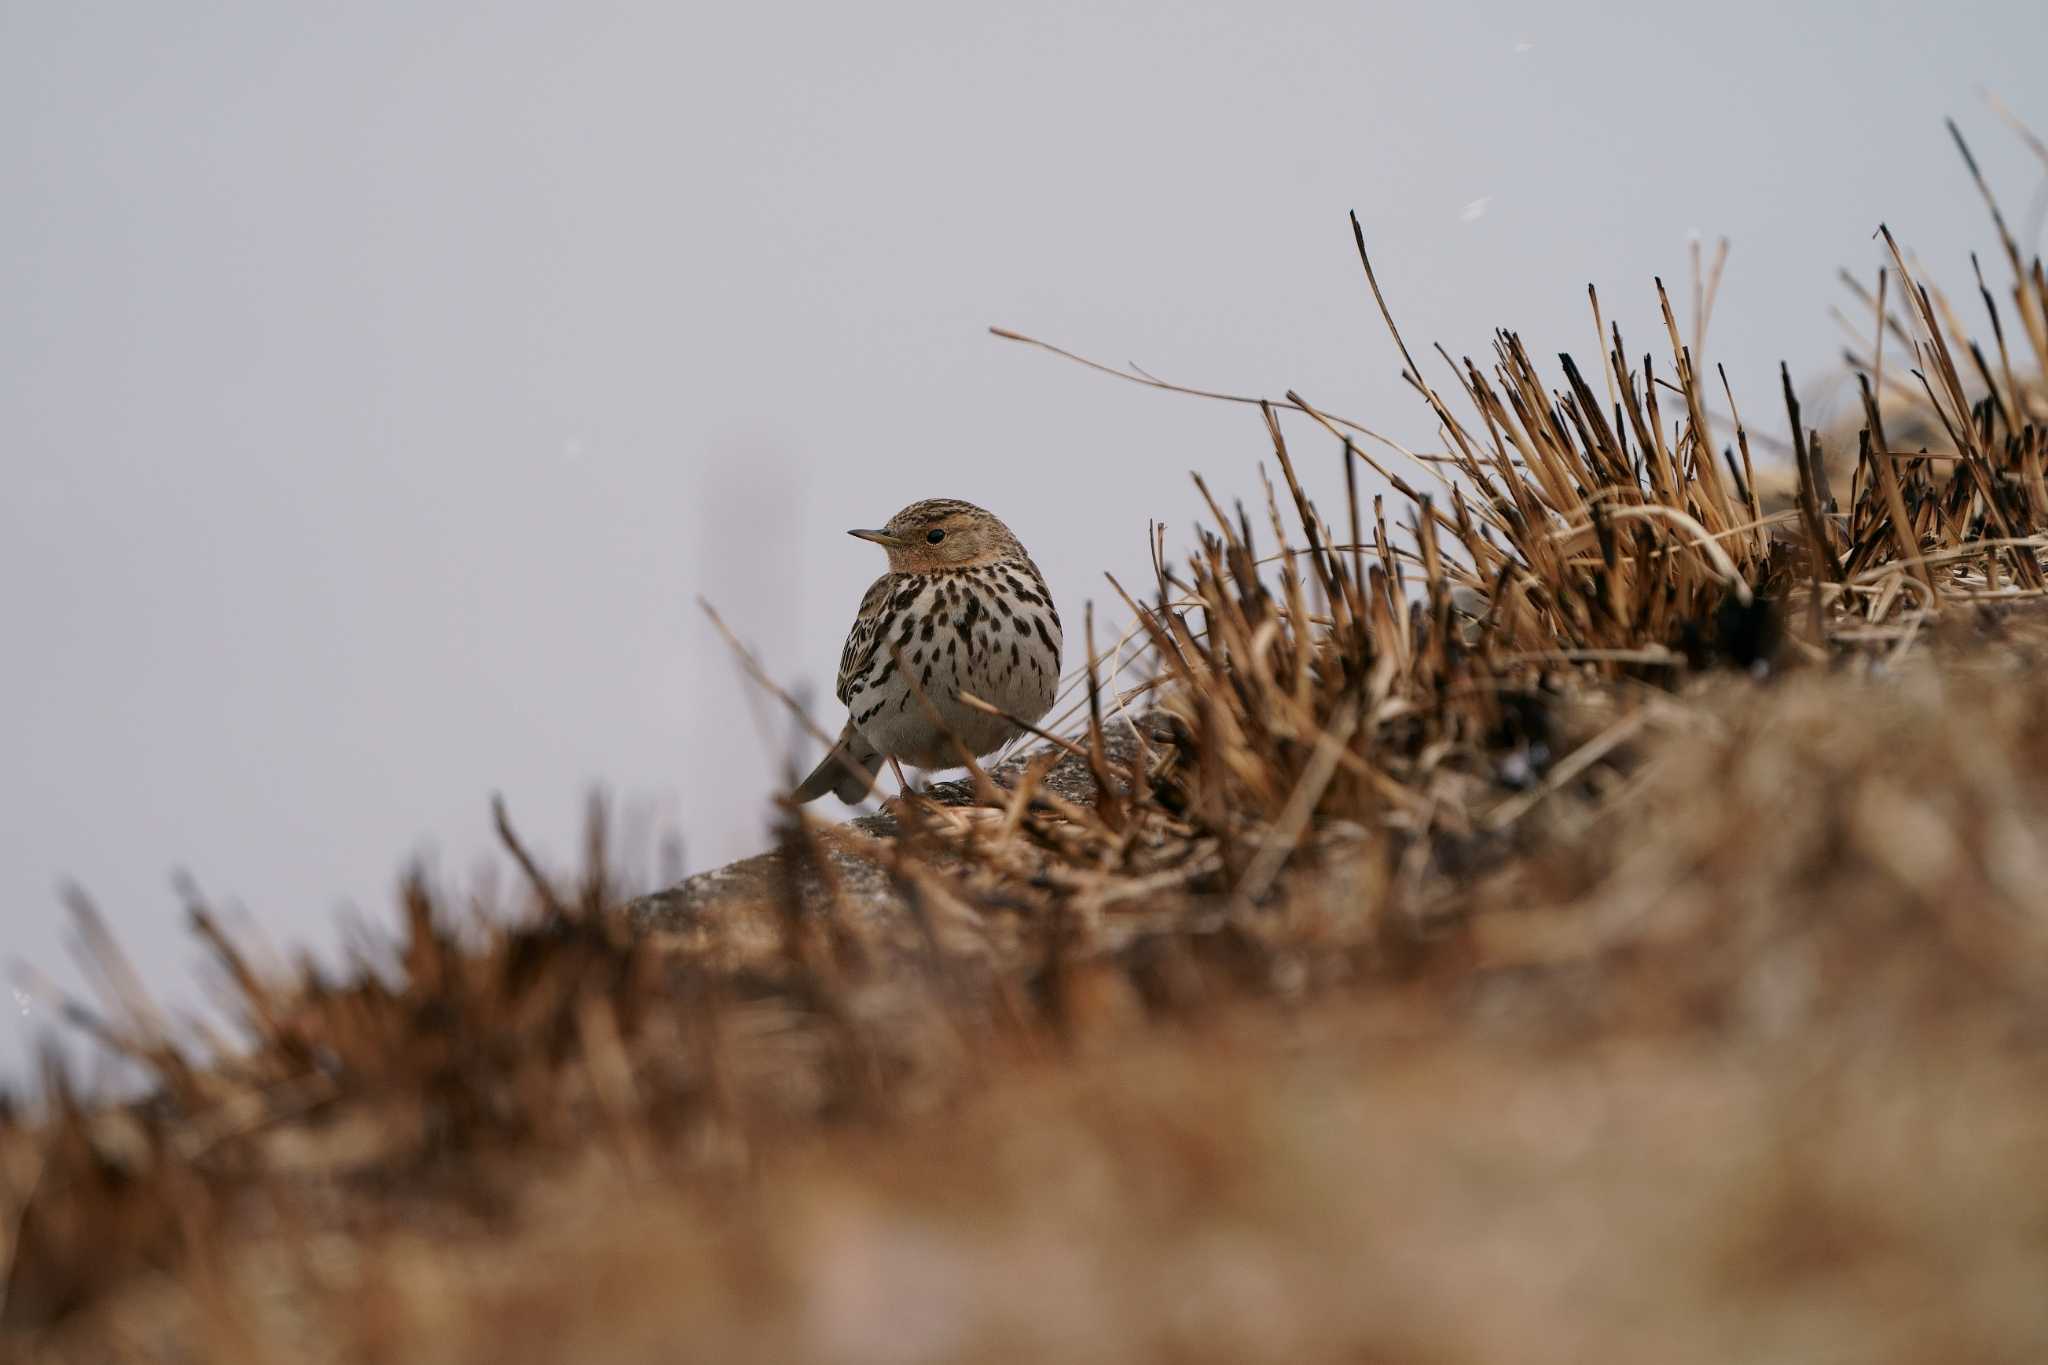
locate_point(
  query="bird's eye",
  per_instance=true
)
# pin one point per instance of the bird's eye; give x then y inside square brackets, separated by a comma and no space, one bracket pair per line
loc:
[934,536]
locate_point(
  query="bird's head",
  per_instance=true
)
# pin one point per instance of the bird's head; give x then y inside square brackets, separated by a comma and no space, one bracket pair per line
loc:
[943,533]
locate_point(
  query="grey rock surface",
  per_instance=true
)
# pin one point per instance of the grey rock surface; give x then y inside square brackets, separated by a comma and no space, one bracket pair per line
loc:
[863,883]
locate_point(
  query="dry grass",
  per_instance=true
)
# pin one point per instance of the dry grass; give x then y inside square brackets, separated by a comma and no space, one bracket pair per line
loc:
[1592,915]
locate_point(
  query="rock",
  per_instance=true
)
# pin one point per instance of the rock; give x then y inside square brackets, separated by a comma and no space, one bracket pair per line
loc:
[863,882]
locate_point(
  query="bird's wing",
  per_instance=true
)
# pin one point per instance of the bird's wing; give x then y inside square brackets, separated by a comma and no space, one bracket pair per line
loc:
[867,628]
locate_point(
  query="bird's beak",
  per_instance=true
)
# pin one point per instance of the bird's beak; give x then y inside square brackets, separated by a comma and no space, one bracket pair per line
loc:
[882,538]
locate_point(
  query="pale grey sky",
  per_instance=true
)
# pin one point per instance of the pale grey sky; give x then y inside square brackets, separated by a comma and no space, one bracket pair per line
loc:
[380,384]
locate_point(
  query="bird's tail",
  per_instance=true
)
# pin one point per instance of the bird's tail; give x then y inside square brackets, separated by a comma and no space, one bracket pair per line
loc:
[848,772]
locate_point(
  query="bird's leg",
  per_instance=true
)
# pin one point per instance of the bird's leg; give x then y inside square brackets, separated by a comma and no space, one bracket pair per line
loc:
[902,782]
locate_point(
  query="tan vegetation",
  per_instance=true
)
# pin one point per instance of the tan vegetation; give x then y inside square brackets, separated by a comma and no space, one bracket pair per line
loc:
[1590,915]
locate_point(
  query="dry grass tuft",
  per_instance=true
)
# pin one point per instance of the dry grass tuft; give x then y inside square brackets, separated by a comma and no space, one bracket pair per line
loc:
[1594,913]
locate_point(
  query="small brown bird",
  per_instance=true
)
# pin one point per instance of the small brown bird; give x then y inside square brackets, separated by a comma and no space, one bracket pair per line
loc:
[962,609]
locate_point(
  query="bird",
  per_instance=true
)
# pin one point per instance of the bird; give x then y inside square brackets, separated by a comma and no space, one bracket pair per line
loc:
[961,609]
